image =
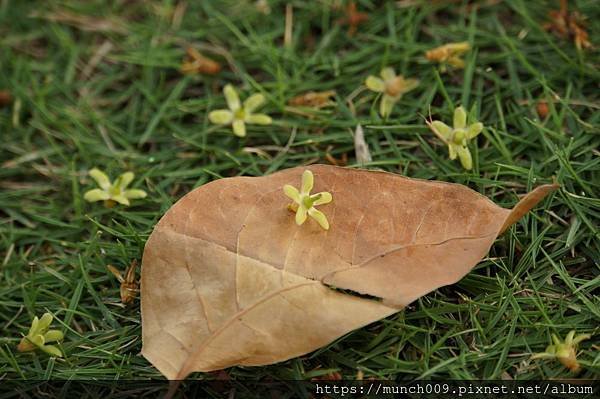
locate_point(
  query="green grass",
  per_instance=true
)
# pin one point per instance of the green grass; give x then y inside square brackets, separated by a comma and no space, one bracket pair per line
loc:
[132,110]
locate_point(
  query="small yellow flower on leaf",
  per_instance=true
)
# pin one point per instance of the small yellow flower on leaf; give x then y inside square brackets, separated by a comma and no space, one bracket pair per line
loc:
[239,114]
[392,86]
[565,352]
[39,335]
[458,137]
[112,192]
[449,54]
[304,203]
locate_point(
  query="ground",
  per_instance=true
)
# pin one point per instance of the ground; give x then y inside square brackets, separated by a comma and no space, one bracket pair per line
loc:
[97,84]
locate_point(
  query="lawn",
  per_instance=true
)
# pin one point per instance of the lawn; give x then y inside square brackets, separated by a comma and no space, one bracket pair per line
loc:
[98,84]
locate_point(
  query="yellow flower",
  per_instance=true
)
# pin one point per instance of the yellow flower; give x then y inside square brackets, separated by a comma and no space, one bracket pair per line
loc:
[304,203]
[39,334]
[112,193]
[565,352]
[239,114]
[458,137]
[392,86]
[449,54]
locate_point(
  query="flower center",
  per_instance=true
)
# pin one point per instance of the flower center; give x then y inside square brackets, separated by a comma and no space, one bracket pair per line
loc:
[459,136]
[393,87]
[308,202]
[114,191]
[239,114]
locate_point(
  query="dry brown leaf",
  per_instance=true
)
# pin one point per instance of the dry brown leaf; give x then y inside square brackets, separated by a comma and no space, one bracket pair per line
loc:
[315,99]
[194,62]
[5,98]
[449,53]
[229,279]
[353,18]
[342,161]
[564,24]
[129,284]
[542,109]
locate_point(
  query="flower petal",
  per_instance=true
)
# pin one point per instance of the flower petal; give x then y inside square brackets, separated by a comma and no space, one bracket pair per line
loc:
[239,128]
[556,341]
[292,193]
[474,129]
[232,98]
[386,105]
[100,178]
[51,350]
[37,340]
[375,84]
[135,193]
[308,181]
[326,198]
[319,217]
[34,326]
[442,130]
[465,157]
[581,337]
[259,119]
[220,117]
[124,180]
[409,84]
[460,118]
[121,199]
[569,337]
[452,151]
[456,62]
[459,47]
[96,195]
[253,102]
[53,335]
[44,323]
[300,215]
[388,73]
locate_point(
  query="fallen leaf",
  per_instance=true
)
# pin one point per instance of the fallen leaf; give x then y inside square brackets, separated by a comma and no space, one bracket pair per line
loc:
[564,24]
[228,277]
[194,63]
[314,99]
[129,284]
[343,161]
[542,109]
[353,18]
[449,54]
[5,98]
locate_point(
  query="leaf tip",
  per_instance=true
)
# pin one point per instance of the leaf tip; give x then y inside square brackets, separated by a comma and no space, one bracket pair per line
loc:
[528,202]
